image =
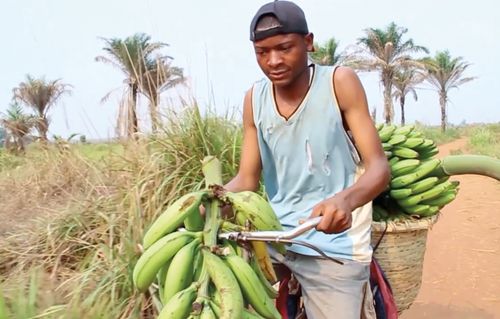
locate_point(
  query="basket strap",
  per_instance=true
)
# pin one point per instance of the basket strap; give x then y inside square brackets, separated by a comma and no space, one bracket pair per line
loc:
[381,237]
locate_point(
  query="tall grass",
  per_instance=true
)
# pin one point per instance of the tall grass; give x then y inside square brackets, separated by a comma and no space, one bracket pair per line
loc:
[434,133]
[485,140]
[86,253]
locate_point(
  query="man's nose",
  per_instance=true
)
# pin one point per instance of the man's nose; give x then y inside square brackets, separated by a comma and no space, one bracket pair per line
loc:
[274,58]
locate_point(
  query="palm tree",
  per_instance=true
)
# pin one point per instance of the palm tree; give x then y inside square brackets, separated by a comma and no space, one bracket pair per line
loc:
[161,77]
[385,51]
[405,82]
[41,95]
[326,54]
[133,56]
[145,71]
[444,74]
[17,125]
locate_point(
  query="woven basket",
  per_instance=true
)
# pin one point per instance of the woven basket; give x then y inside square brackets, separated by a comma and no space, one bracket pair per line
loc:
[401,256]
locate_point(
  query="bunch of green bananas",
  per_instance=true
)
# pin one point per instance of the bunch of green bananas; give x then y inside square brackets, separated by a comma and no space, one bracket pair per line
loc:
[193,274]
[418,186]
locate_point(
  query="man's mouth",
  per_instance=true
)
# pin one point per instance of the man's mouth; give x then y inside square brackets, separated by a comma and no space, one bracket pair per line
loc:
[278,74]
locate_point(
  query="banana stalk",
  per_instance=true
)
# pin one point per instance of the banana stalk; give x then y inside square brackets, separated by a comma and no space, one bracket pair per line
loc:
[471,164]
[212,171]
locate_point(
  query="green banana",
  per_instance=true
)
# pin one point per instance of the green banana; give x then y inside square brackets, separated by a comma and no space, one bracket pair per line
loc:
[180,305]
[422,171]
[443,179]
[404,167]
[181,270]
[427,144]
[379,126]
[415,134]
[423,185]
[404,130]
[386,132]
[160,278]
[393,160]
[442,200]
[400,193]
[429,194]
[173,217]
[226,284]
[252,289]
[382,212]
[157,256]
[386,146]
[194,221]
[198,265]
[432,210]
[396,140]
[246,314]
[455,183]
[251,206]
[428,154]
[255,209]
[207,312]
[271,292]
[404,152]
[412,142]
[416,209]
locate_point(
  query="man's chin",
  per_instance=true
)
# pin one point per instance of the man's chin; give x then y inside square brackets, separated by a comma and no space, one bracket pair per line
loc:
[280,82]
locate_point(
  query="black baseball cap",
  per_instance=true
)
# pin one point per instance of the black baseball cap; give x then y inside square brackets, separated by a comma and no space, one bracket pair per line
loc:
[290,16]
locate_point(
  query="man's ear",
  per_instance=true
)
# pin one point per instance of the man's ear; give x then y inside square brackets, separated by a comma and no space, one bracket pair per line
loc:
[309,38]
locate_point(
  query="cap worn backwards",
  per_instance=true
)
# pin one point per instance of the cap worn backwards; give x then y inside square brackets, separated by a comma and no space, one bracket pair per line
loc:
[290,18]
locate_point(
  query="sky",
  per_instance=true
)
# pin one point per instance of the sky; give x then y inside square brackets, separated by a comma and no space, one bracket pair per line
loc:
[60,39]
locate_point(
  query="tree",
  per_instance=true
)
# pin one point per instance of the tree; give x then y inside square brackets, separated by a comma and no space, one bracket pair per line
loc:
[146,72]
[405,81]
[161,77]
[385,51]
[17,125]
[444,74]
[326,54]
[40,95]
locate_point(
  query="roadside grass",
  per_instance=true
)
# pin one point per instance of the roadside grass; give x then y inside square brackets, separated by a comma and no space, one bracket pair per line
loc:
[88,206]
[484,140]
[434,133]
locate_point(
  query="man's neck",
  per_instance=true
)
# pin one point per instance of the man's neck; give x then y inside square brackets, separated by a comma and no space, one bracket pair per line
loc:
[298,88]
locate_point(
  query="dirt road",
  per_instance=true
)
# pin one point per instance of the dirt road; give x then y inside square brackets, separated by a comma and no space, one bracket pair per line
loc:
[461,277]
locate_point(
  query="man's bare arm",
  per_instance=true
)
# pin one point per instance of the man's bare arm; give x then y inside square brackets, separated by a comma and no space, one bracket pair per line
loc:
[250,166]
[352,101]
[336,211]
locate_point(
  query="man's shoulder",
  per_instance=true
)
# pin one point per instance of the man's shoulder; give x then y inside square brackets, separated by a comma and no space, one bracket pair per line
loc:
[343,73]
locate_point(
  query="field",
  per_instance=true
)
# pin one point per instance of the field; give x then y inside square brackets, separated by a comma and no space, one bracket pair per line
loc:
[72,215]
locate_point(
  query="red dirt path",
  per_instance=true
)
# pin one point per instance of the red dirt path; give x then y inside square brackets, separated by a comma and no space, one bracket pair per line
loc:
[461,275]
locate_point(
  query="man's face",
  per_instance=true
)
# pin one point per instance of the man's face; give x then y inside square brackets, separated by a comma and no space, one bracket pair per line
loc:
[283,57]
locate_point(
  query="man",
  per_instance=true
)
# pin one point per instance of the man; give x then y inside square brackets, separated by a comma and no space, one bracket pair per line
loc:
[295,125]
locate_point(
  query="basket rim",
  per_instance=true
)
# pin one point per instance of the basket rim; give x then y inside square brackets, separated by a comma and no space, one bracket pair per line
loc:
[406,225]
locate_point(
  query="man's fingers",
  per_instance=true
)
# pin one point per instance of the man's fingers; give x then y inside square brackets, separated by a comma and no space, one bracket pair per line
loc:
[340,223]
[317,211]
[325,223]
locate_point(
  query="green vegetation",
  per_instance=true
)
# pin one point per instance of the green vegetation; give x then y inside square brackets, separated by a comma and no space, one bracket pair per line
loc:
[485,140]
[434,133]
[100,198]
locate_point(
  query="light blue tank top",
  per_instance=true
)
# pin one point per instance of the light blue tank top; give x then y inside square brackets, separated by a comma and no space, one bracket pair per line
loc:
[308,158]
